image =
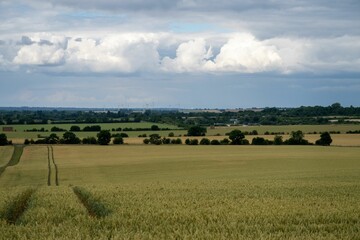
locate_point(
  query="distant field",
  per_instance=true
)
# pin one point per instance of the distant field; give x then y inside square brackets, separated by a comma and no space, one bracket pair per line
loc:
[105,126]
[342,128]
[179,192]
[19,134]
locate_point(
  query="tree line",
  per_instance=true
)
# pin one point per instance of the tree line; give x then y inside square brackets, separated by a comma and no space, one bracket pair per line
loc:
[235,137]
[102,138]
[266,116]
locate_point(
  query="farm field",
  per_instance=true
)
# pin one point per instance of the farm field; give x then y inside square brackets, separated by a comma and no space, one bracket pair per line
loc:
[342,128]
[5,154]
[19,133]
[19,136]
[172,192]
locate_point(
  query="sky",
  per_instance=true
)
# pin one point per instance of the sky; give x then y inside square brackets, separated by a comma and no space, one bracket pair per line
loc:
[179,53]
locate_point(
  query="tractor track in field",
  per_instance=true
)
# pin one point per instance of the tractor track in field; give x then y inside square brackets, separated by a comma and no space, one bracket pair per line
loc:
[16,208]
[93,205]
[15,158]
[51,161]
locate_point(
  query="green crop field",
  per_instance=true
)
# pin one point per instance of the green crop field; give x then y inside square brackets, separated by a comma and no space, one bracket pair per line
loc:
[181,192]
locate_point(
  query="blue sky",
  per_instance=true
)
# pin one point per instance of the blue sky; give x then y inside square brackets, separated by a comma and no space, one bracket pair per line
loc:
[182,53]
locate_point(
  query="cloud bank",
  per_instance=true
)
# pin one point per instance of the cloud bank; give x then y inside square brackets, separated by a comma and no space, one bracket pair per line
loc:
[141,52]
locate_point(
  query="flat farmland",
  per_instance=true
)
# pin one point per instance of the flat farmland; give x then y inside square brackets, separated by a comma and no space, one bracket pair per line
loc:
[172,192]
[19,135]
[342,128]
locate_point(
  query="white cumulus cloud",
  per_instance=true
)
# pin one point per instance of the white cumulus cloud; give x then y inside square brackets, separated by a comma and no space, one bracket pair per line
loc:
[244,53]
[39,55]
[140,52]
[118,53]
[190,56]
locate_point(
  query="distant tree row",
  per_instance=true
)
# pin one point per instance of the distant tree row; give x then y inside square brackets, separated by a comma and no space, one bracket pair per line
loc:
[158,140]
[267,116]
[236,137]
[103,138]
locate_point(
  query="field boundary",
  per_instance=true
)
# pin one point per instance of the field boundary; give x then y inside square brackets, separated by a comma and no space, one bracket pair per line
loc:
[15,158]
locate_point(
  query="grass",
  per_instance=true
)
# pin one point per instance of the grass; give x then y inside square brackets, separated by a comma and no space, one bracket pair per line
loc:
[189,192]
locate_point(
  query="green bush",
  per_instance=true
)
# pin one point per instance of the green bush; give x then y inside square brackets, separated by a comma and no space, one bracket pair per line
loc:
[205,141]
[118,140]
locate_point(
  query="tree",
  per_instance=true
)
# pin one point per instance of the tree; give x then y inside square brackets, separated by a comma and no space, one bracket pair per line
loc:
[75,129]
[89,140]
[215,142]
[236,137]
[3,139]
[297,138]
[70,138]
[225,141]
[52,139]
[191,141]
[103,137]
[278,140]
[325,139]
[155,139]
[176,141]
[56,129]
[166,140]
[196,131]
[204,141]
[259,141]
[94,128]
[118,140]
[122,135]
[155,128]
